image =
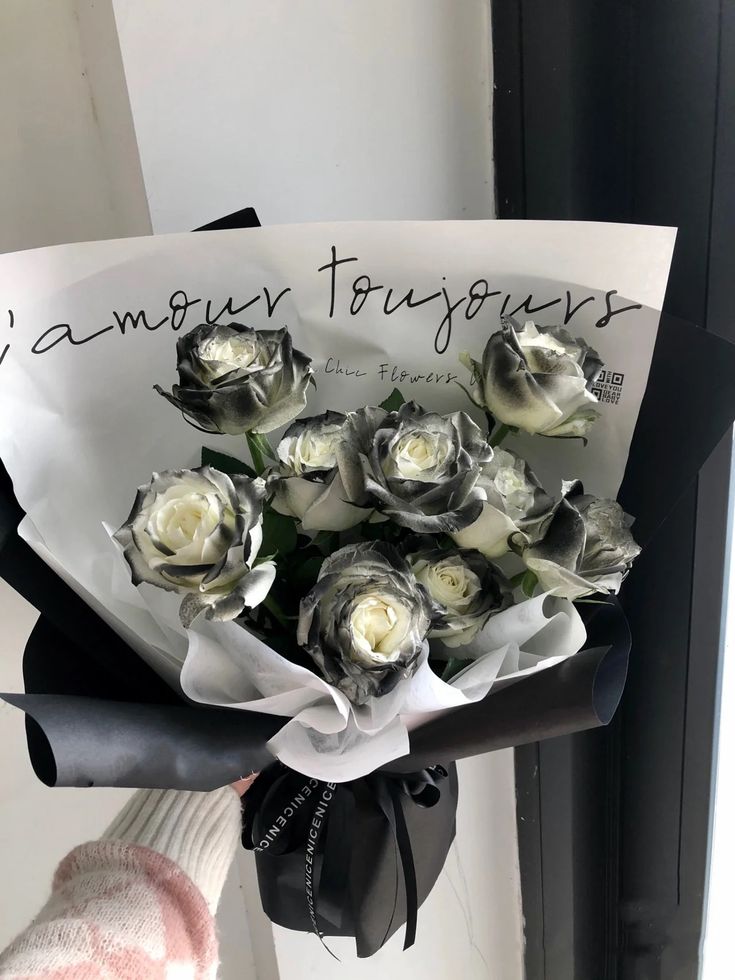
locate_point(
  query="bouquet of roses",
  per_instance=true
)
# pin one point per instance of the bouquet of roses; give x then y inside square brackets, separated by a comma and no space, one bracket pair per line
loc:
[380,564]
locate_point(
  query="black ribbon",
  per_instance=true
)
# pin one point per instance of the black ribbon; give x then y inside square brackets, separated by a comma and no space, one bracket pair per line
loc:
[286,812]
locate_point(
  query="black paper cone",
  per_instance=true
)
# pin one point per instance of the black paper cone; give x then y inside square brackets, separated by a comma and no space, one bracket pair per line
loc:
[80,732]
[580,693]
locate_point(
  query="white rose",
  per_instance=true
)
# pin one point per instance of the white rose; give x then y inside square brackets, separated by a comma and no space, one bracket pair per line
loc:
[233,379]
[417,456]
[312,447]
[378,625]
[450,582]
[307,484]
[230,351]
[365,621]
[587,546]
[465,588]
[515,504]
[417,468]
[198,532]
[538,379]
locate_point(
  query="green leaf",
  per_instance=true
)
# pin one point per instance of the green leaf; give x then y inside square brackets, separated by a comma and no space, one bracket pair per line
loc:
[393,402]
[305,574]
[326,542]
[279,533]
[260,451]
[225,464]
[529,583]
[263,444]
[499,434]
[453,667]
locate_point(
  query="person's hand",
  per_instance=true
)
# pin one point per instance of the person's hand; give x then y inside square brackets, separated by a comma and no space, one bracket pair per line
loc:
[243,785]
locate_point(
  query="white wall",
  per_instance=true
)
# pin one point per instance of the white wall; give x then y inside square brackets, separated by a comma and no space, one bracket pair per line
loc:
[69,171]
[310,110]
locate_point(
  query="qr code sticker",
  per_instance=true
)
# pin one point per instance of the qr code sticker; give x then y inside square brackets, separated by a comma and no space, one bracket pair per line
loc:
[608,387]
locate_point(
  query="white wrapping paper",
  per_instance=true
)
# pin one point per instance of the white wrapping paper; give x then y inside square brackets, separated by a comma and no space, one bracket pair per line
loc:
[90,328]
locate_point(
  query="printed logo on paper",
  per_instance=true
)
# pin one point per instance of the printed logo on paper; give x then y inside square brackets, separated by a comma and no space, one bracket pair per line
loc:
[608,387]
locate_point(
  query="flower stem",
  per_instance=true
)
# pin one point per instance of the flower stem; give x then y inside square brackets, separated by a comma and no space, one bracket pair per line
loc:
[454,665]
[259,448]
[500,433]
[274,608]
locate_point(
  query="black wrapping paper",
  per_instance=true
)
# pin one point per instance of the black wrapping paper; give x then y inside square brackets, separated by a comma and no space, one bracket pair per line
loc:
[581,693]
[367,895]
[85,730]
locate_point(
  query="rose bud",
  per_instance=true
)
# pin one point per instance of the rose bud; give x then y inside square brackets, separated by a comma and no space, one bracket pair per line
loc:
[198,532]
[537,379]
[586,547]
[466,589]
[306,483]
[365,621]
[417,468]
[514,506]
[235,379]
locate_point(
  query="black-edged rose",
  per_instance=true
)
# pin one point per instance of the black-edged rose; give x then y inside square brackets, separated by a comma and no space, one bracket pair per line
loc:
[417,468]
[515,504]
[233,379]
[587,546]
[365,621]
[466,589]
[198,532]
[306,483]
[538,379]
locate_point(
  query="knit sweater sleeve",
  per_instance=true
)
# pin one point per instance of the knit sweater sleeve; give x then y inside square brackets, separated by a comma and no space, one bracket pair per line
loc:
[139,902]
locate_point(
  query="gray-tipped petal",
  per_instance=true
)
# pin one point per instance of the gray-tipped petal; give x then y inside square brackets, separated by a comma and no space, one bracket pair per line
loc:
[512,394]
[564,538]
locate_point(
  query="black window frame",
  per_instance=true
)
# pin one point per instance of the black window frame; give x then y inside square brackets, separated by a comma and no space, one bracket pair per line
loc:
[624,110]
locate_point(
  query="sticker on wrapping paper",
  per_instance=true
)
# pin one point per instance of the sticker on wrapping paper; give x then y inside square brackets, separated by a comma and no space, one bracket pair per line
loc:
[608,387]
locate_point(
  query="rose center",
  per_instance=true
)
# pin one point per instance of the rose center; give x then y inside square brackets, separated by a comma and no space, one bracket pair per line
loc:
[454,586]
[317,450]
[184,524]
[377,626]
[418,455]
[230,354]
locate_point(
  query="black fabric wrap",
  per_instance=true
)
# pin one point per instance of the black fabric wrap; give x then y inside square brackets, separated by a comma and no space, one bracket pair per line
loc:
[97,715]
[360,879]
